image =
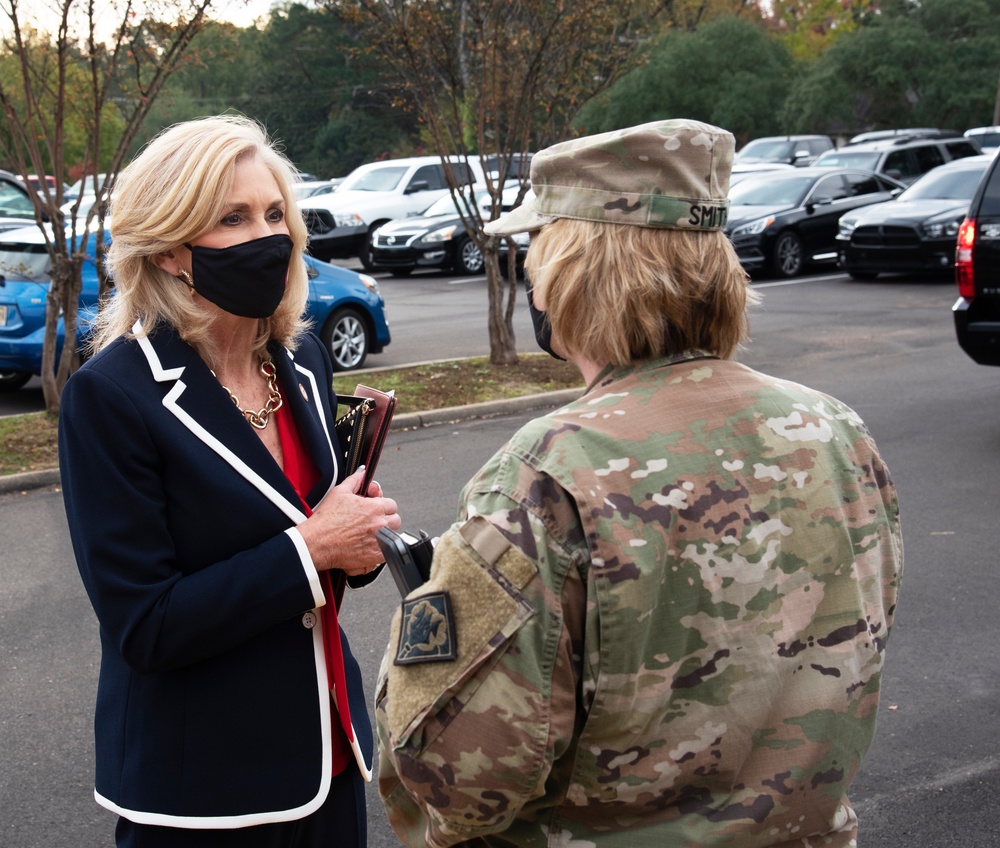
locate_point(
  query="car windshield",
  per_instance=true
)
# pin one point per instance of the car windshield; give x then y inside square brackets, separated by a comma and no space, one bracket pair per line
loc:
[762,149]
[24,262]
[14,203]
[847,159]
[946,185]
[768,190]
[374,179]
[85,185]
[442,206]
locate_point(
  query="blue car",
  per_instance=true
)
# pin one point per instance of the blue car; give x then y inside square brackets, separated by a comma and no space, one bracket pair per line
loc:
[346,308]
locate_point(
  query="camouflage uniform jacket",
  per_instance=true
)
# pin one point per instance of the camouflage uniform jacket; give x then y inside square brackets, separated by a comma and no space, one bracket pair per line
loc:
[661,621]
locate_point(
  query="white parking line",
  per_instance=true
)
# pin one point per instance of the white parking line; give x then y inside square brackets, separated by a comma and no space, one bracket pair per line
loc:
[798,281]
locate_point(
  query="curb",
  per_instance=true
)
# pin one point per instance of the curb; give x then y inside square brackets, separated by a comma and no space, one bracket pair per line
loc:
[28,480]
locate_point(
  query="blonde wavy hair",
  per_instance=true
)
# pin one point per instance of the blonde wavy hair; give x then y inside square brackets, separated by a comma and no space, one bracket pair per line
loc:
[171,193]
[616,294]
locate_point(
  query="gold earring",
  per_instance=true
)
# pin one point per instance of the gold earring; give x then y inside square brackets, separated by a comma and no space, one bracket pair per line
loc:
[186,278]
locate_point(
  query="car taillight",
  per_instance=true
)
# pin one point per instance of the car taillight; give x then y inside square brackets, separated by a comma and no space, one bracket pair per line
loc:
[964,276]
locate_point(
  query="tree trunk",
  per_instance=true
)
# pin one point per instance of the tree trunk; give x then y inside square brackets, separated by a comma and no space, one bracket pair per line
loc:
[503,349]
[62,302]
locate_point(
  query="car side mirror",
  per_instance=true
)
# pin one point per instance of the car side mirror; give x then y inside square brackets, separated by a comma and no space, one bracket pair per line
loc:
[819,200]
[419,185]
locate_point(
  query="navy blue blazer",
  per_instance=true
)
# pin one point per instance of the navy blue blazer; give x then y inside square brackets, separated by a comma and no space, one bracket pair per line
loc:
[213,708]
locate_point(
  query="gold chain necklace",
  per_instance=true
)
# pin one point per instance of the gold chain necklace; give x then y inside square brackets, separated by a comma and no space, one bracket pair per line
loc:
[260,417]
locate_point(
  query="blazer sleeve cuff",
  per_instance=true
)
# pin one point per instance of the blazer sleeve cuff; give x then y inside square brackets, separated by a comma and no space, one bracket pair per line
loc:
[312,575]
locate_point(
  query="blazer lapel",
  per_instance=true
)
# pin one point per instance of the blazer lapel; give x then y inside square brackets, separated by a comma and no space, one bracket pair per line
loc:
[308,399]
[197,400]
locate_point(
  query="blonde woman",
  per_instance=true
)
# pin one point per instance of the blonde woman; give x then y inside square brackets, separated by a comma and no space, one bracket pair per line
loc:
[212,526]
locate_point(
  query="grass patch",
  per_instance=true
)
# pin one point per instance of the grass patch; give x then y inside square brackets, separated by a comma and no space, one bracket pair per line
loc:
[464,381]
[29,441]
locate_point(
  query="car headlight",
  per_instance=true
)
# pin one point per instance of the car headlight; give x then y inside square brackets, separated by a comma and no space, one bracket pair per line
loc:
[941,229]
[342,219]
[845,227]
[754,228]
[439,235]
[370,283]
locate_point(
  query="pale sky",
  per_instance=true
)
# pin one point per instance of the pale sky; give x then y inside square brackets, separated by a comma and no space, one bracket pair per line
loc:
[241,12]
[45,13]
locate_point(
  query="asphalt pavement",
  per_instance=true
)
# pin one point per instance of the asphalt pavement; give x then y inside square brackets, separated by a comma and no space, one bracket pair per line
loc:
[932,777]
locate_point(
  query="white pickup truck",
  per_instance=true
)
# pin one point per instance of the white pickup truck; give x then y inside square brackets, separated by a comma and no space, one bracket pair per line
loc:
[340,223]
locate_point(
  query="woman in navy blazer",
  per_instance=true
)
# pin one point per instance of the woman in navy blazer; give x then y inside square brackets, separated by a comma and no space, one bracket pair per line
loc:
[211,526]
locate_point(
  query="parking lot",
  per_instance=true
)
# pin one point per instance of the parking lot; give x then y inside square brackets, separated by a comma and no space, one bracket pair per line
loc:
[887,348]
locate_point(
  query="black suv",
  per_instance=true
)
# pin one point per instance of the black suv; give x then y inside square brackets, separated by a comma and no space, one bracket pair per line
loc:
[977,272]
[903,157]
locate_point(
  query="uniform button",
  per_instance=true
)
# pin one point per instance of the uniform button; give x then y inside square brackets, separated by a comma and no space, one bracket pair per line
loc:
[309,620]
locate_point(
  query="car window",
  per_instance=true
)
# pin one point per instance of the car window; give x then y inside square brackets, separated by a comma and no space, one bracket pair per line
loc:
[929,156]
[945,185]
[961,149]
[990,206]
[771,150]
[14,203]
[831,187]
[900,164]
[432,175]
[848,159]
[861,184]
[768,191]
[375,179]
[459,169]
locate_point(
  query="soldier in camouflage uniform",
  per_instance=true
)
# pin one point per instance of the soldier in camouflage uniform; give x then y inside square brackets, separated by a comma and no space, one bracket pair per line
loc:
[662,616]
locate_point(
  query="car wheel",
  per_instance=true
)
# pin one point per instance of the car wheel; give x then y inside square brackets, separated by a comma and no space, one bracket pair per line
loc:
[11,381]
[788,255]
[468,257]
[863,276]
[347,337]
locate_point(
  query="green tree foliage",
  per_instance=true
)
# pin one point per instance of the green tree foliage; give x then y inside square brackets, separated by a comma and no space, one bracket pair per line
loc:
[303,75]
[809,27]
[928,64]
[44,69]
[213,80]
[729,72]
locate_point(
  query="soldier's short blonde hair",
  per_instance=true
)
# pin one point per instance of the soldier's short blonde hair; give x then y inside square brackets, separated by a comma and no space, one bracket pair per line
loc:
[617,294]
[174,191]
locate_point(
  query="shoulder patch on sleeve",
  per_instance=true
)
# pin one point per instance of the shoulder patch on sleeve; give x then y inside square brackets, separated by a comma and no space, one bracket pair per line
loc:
[427,630]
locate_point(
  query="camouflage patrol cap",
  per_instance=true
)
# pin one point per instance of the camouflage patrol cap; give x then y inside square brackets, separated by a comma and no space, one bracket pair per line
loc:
[672,174]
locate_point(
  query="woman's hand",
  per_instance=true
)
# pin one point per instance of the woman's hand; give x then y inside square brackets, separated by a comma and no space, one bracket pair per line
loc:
[341,531]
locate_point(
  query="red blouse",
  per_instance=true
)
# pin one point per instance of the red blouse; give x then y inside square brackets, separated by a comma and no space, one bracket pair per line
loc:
[302,473]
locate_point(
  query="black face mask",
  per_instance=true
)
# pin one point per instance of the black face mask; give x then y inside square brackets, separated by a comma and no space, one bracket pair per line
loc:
[245,279]
[540,321]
